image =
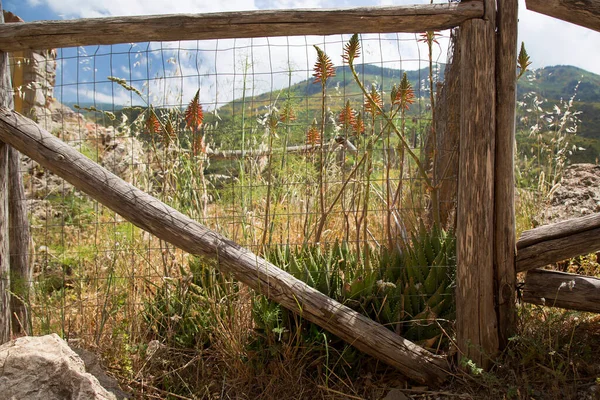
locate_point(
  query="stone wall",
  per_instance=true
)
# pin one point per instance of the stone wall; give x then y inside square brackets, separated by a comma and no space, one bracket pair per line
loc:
[34,77]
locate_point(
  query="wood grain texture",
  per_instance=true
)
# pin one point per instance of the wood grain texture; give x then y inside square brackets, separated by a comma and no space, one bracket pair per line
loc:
[19,238]
[5,330]
[558,249]
[476,323]
[580,12]
[504,176]
[237,154]
[5,101]
[560,289]
[559,241]
[170,225]
[558,230]
[243,24]
[447,128]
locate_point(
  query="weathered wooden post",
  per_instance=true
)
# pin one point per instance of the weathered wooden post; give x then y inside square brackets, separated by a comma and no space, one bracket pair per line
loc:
[504,190]
[5,100]
[19,235]
[476,324]
[19,238]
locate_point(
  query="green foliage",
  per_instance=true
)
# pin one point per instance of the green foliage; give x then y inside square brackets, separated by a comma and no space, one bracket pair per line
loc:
[411,292]
[182,312]
[544,141]
[424,285]
[523,61]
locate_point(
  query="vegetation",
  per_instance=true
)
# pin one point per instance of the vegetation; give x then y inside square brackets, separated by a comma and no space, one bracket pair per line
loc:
[356,217]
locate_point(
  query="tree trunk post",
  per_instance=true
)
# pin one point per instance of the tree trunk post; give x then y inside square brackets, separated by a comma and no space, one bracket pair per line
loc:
[5,100]
[19,238]
[19,235]
[476,320]
[504,190]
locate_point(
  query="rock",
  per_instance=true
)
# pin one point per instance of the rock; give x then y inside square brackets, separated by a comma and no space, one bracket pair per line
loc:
[395,394]
[61,114]
[94,367]
[46,368]
[577,195]
[124,156]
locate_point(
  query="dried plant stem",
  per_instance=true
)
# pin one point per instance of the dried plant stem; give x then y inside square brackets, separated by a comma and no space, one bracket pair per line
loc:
[324,216]
[391,123]
[321,167]
[267,222]
[435,202]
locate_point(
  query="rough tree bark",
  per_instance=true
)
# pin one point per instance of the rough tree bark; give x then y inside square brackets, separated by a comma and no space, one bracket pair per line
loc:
[559,241]
[504,175]
[560,289]
[240,24]
[476,324]
[5,101]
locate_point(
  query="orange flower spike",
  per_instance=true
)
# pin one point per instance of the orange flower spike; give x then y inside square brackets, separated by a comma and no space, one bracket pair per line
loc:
[169,129]
[313,136]
[152,123]
[430,37]
[352,49]
[323,67]
[374,97]
[287,114]
[193,113]
[405,95]
[359,124]
[168,132]
[347,116]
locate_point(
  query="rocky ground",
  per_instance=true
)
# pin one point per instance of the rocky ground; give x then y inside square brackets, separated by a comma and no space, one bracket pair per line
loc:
[115,149]
[578,194]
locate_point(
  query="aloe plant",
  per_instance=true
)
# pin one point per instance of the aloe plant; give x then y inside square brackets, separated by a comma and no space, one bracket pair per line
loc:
[410,292]
[423,284]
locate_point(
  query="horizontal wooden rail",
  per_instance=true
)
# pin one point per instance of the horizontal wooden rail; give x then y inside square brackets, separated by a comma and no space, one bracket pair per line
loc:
[255,153]
[560,289]
[242,24]
[582,13]
[556,242]
[172,226]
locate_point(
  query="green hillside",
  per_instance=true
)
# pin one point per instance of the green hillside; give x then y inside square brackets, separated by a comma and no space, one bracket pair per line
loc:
[559,82]
[551,83]
[239,118]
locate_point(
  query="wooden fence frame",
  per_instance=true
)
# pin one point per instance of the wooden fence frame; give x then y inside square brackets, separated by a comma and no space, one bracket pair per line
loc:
[486,275]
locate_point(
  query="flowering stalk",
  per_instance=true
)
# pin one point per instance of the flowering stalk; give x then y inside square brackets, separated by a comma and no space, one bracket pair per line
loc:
[323,70]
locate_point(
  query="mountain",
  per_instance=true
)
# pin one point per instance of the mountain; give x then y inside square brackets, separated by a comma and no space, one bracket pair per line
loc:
[551,83]
[340,88]
[565,82]
[560,81]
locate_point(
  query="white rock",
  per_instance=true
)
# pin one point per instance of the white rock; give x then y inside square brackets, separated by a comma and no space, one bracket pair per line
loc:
[45,368]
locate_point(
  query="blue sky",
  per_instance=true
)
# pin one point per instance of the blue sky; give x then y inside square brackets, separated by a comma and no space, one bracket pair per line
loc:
[167,74]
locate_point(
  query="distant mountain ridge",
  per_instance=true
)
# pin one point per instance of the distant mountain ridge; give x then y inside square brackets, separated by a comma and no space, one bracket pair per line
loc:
[552,83]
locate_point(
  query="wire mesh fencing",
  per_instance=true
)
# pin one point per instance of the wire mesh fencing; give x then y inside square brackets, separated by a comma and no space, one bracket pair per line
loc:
[324,155]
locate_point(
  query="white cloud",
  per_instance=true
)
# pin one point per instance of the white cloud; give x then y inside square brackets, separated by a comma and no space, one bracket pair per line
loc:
[89,95]
[550,41]
[170,73]
[95,8]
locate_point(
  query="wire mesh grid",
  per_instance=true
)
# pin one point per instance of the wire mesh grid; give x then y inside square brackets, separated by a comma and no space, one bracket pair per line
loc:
[242,136]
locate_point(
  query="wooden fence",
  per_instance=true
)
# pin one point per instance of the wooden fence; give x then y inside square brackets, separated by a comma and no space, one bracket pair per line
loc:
[486,272]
